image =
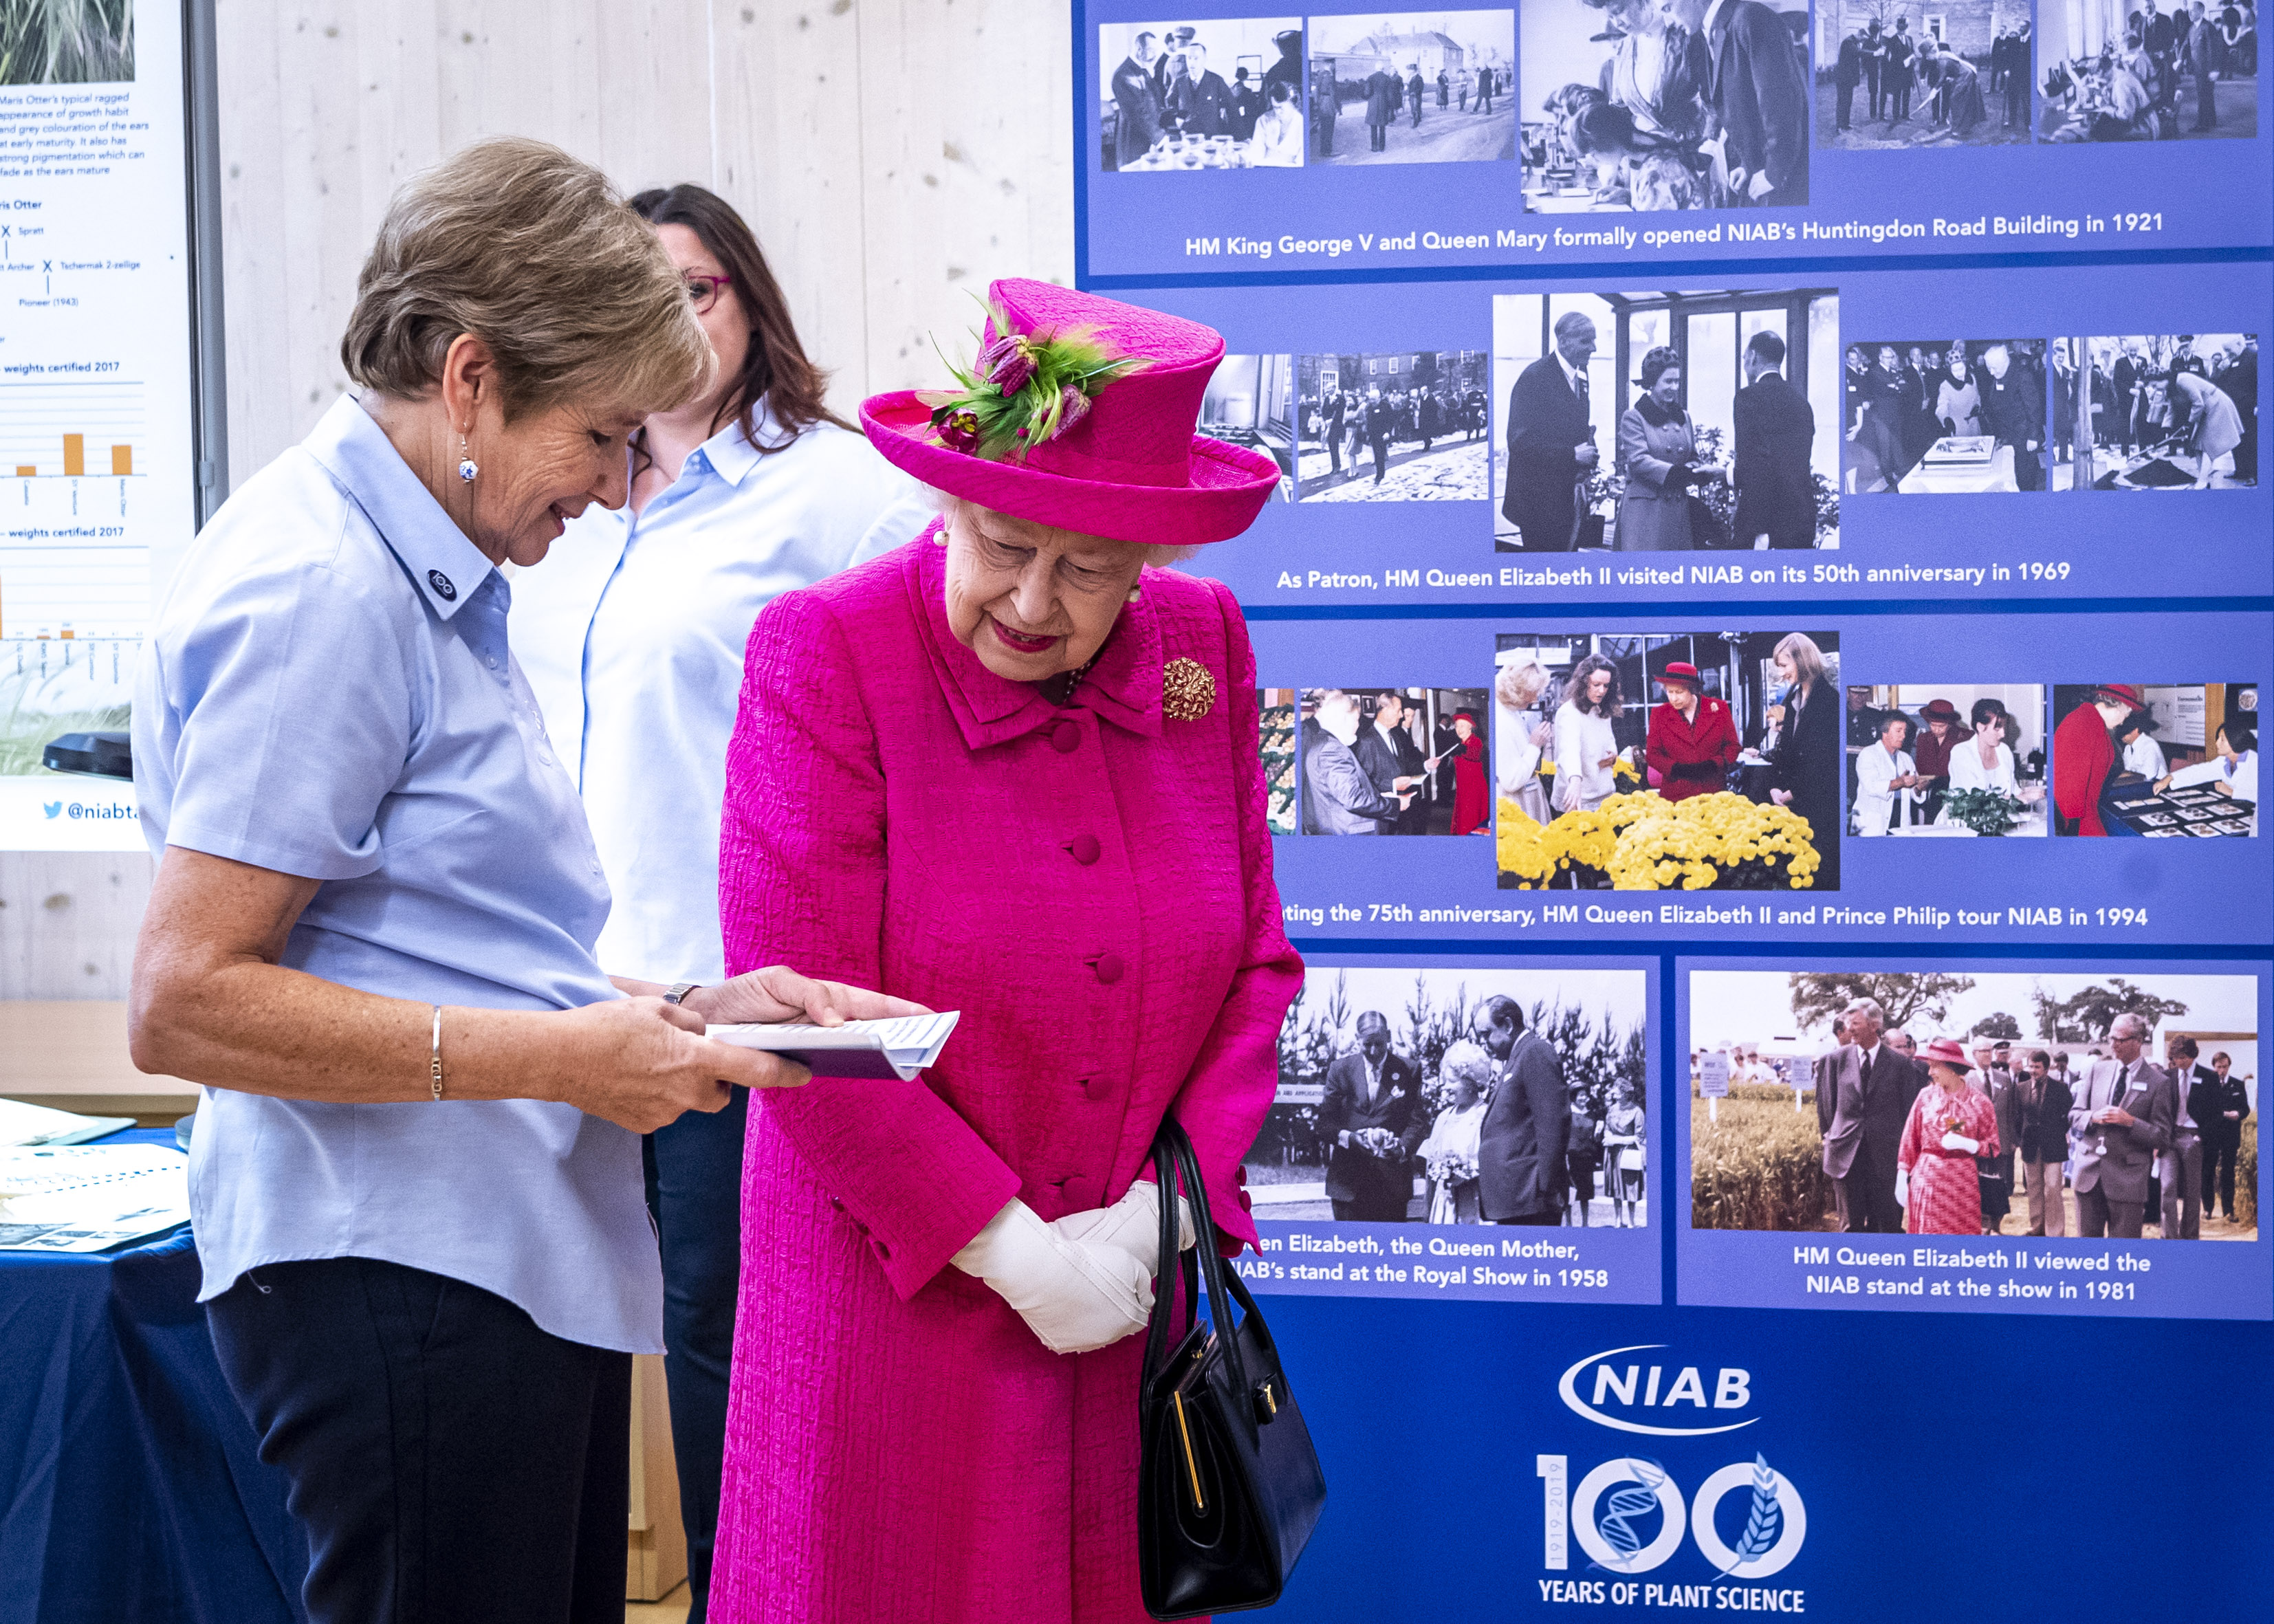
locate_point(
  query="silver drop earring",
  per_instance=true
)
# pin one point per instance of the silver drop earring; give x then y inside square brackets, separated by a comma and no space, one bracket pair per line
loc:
[466,468]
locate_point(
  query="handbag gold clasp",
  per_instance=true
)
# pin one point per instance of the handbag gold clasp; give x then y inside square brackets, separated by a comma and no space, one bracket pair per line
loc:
[1191,1465]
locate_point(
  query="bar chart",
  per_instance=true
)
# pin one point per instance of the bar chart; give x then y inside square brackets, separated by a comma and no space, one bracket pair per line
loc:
[75,523]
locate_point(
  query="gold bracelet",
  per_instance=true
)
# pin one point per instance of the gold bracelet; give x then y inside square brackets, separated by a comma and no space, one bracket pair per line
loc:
[435,1059]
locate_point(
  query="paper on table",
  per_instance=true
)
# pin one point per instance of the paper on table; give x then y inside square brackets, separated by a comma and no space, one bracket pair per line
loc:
[87,1198]
[899,1048]
[38,1125]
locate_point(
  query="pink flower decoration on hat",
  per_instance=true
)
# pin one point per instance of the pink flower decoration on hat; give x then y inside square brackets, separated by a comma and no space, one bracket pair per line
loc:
[1008,362]
[958,431]
[1073,406]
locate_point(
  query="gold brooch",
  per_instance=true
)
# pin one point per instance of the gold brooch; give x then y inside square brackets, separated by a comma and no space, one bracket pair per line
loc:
[1188,690]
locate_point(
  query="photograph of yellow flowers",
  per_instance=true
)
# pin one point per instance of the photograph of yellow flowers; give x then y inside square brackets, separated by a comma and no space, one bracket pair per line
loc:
[1394,761]
[1697,760]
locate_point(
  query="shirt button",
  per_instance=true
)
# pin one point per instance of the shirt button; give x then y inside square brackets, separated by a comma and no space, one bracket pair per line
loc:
[836,1204]
[490,661]
[1084,848]
[883,1253]
[1065,738]
[1109,967]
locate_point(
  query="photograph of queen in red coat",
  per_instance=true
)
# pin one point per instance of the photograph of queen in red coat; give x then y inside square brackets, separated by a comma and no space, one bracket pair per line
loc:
[1693,741]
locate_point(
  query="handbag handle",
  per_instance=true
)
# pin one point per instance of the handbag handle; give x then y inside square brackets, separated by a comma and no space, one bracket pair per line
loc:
[1173,1157]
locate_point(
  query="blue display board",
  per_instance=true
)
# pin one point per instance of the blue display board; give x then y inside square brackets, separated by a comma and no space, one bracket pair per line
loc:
[1947,337]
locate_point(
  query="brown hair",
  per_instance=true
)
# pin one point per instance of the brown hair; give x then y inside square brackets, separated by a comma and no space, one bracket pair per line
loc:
[1807,659]
[532,251]
[775,370]
[1575,688]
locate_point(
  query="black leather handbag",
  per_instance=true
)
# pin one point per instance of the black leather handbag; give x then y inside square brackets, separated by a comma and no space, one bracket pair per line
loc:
[1229,1487]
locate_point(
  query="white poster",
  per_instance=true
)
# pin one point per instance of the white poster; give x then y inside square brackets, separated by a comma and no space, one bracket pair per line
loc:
[97,477]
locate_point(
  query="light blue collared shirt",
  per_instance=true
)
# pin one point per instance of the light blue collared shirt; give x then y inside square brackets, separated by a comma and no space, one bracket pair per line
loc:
[632,633]
[330,693]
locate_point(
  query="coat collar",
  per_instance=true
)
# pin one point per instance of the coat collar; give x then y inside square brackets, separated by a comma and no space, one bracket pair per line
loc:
[1123,687]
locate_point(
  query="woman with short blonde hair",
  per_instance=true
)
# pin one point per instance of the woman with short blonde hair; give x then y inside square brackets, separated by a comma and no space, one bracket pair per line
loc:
[415,1178]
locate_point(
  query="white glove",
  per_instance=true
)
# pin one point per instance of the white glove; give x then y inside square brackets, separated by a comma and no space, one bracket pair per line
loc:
[1074,1297]
[1132,1223]
[1958,1142]
[1902,1187]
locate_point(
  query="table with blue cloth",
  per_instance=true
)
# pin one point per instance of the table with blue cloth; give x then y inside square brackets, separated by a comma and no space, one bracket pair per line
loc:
[135,1491]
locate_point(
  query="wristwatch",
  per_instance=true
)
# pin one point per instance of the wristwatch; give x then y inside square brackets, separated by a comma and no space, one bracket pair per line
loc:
[679,991]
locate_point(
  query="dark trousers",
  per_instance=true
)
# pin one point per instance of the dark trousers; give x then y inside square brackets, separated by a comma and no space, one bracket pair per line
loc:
[1380,459]
[1870,1186]
[2097,1216]
[1380,135]
[448,1459]
[694,1193]
[2206,102]
[1871,83]
[2219,1175]
[1845,117]
[1334,447]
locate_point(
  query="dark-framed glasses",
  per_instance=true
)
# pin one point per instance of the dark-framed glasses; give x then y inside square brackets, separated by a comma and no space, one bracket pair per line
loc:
[704,291]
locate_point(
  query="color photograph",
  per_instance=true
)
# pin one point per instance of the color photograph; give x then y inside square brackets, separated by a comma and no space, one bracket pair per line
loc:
[2061,1104]
[1697,760]
[1217,95]
[66,41]
[1379,760]
[1440,1096]
[1636,105]
[1412,87]
[2165,760]
[1946,759]
[1665,422]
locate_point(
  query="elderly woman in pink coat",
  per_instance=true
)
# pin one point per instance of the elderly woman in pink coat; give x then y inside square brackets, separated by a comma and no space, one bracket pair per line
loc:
[1012,769]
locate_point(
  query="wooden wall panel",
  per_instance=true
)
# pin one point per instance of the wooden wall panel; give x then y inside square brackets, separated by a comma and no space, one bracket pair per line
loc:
[893,154]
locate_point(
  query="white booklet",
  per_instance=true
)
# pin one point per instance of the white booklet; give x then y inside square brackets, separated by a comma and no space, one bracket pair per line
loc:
[899,1048]
[89,1198]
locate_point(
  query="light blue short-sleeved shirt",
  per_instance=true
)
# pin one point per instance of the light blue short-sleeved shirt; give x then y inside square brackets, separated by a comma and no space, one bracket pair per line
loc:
[632,633]
[330,693]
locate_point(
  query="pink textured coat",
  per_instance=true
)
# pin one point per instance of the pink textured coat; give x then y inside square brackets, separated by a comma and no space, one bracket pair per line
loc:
[1091,886]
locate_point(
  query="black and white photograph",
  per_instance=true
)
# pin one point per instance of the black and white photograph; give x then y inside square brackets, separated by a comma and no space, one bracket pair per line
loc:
[1939,759]
[2165,761]
[2135,71]
[2066,1104]
[1251,402]
[1217,95]
[1886,81]
[1460,1096]
[1665,422]
[1412,87]
[1624,107]
[1706,760]
[2156,412]
[1406,427]
[1396,761]
[1942,416]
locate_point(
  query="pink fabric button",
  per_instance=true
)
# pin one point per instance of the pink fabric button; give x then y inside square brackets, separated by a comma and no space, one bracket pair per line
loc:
[1084,848]
[1065,738]
[1109,968]
[1247,1202]
[883,1253]
[1238,1172]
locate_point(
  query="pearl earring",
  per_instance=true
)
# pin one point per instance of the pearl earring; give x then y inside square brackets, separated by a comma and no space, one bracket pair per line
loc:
[1135,593]
[466,468]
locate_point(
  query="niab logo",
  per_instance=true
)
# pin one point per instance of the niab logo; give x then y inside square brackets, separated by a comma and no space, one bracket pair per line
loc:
[1629,1516]
[1645,1400]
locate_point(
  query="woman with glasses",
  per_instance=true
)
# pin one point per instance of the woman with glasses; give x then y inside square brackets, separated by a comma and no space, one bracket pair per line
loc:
[632,636]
